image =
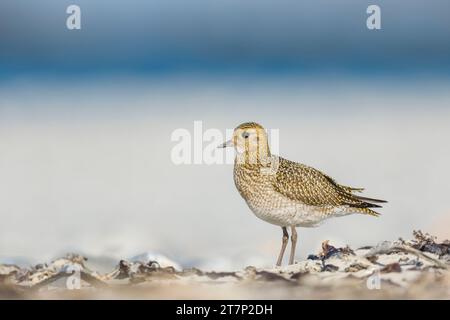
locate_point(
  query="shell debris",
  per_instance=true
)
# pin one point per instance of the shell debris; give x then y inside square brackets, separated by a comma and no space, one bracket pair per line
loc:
[416,268]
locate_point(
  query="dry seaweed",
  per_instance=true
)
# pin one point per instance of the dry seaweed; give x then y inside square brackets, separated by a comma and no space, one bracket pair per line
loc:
[329,251]
[427,243]
[355,267]
[389,247]
[392,267]
[401,264]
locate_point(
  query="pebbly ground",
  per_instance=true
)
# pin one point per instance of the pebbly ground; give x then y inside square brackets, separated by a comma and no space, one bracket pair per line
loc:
[410,269]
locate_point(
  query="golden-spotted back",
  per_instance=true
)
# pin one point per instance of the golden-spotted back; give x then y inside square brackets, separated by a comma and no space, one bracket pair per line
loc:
[310,186]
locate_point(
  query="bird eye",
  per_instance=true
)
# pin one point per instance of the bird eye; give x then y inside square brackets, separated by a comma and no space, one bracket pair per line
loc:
[245,135]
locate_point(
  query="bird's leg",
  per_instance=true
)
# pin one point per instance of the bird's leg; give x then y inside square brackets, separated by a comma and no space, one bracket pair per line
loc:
[283,245]
[293,244]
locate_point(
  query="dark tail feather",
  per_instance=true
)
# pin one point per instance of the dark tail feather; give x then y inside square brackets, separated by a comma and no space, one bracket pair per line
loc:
[366,205]
[371,199]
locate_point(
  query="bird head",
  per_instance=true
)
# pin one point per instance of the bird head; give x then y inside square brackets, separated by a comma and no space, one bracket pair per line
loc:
[250,142]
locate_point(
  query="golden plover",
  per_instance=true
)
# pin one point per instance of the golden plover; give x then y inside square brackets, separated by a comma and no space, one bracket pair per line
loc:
[286,193]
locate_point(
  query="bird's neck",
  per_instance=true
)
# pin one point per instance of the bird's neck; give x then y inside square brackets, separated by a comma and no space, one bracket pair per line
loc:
[255,158]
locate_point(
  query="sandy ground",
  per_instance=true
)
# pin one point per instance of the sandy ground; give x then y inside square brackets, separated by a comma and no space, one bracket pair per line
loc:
[410,269]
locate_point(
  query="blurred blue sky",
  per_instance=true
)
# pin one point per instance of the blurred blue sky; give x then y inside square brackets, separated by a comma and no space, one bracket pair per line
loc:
[253,36]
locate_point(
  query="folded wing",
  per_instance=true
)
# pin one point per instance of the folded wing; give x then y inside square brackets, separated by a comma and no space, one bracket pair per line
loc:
[310,186]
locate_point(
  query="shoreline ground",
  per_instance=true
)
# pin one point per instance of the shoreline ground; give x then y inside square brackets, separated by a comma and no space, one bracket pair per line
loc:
[402,269]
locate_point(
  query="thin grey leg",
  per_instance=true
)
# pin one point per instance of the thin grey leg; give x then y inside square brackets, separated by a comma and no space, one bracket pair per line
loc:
[293,244]
[283,245]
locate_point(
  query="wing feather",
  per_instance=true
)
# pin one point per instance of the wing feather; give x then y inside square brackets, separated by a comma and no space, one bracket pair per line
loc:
[310,186]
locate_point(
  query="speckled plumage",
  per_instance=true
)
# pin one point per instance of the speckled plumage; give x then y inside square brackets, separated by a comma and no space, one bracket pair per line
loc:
[286,193]
[293,194]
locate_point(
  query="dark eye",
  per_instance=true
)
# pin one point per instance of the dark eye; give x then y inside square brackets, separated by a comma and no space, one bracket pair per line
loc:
[245,135]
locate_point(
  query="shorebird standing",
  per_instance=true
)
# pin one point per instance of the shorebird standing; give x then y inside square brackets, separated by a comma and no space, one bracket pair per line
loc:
[286,193]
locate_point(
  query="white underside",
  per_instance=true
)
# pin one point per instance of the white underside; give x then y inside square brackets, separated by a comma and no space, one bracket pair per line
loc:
[299,215]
